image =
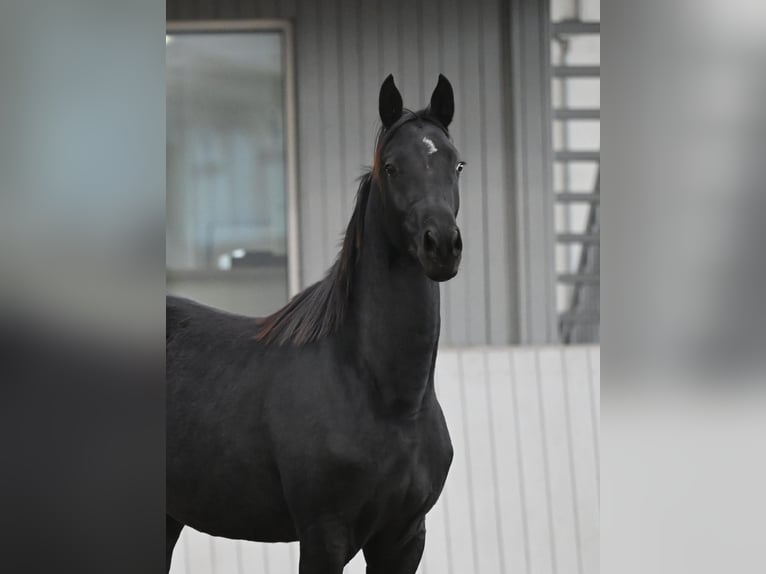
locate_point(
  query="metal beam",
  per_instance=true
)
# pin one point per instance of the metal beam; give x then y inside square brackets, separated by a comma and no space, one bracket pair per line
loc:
[571,155]
[577,71]
[586,238]
[576,28]
[569,197]
[572,114]
[579,278]
[580,317]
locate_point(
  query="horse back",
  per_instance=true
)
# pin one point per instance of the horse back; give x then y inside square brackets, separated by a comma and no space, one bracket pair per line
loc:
[221,471]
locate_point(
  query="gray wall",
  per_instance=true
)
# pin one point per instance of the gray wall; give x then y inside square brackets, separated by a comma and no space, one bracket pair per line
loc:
[344,49]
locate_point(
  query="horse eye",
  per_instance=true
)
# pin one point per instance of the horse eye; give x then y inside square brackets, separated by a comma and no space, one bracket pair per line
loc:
[460,166]
[390,169]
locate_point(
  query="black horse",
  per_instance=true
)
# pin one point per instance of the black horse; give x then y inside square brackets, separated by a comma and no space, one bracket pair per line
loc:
[319,423]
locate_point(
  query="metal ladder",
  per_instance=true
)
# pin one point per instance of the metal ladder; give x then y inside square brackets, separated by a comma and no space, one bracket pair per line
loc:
[579,322]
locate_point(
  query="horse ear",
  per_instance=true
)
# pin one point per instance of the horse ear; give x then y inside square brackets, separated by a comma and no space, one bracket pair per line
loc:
[390,102]
[443,101]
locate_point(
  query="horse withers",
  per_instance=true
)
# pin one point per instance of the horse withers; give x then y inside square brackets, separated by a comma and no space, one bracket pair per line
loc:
[320,423]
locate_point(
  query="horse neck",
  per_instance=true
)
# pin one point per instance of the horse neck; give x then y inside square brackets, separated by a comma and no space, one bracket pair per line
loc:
[396,318]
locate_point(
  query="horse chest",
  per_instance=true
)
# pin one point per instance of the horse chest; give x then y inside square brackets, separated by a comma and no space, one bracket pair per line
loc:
[410,471]
[409,483]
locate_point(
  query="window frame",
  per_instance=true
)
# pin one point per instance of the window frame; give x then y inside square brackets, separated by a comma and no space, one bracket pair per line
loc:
[285,28]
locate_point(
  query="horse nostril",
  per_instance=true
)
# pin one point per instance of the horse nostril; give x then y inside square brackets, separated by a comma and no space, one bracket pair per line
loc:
[429,241]
[457,242]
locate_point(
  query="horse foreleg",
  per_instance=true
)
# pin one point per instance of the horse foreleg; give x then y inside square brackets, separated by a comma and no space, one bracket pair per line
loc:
[383,558]
[172,532]
[324,549]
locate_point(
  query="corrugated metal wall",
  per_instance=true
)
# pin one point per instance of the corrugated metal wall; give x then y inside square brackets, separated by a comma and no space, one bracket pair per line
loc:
[344,49]
[522,496]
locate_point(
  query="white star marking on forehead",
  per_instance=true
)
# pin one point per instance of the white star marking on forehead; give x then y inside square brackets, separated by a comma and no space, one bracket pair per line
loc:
[429,146]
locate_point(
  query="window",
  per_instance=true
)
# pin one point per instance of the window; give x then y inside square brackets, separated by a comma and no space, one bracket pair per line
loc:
[230,237]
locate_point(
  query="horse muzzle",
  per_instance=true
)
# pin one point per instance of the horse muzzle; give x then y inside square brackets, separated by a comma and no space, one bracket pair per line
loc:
[440,250]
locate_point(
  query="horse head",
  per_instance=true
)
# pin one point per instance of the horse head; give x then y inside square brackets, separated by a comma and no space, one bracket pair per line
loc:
[417,169]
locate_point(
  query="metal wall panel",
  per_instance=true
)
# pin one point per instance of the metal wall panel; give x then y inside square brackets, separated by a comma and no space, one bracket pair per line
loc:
[344,49]
[522,494]
[529,40]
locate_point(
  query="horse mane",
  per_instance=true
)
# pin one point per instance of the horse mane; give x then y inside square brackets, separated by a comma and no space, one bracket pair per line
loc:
[319,310]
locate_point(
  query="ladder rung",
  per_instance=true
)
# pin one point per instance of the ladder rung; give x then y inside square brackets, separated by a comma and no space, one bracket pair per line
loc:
[580,317]
[572,114]
[576,71]
[568,197]
[579,278]
[570,155]
[585,238]
[576,27]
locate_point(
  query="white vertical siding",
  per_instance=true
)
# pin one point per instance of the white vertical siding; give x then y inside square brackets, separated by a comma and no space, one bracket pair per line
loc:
[522,495]
[344,49]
